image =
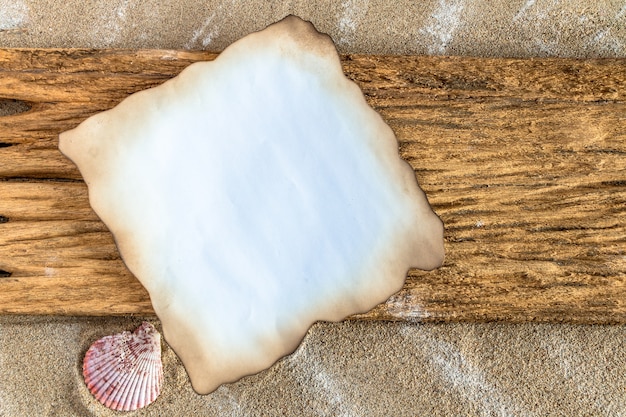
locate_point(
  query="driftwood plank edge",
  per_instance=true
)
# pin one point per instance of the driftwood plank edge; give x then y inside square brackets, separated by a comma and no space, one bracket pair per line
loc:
[524,161]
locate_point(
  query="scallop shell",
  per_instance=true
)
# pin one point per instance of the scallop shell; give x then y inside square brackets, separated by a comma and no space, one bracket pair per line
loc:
[124,371]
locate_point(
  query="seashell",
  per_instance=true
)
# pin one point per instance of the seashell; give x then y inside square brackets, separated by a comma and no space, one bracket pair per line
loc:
[124,371]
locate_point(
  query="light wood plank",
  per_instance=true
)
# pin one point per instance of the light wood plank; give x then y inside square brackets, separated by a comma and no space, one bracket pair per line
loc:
[524,160]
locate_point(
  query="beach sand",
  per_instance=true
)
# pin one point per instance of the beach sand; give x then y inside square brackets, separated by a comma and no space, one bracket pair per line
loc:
[343,369]
[349,368]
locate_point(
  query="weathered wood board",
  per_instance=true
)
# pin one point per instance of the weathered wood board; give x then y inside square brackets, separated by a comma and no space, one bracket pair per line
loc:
[524,161]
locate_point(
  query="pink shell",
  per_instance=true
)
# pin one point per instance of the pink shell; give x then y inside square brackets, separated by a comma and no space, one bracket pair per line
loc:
[124,371]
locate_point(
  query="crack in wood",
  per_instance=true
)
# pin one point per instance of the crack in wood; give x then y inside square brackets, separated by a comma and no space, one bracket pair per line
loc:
[615,183]
[37,179]
[10,107]
[4,219]
[5,274]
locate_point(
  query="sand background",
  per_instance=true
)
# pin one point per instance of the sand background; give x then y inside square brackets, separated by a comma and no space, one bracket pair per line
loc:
[348,368]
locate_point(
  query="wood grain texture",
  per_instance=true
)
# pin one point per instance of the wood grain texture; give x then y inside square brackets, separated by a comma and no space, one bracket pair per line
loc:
[524,161]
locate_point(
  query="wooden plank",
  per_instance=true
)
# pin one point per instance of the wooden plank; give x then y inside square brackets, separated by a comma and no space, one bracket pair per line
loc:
[524,160]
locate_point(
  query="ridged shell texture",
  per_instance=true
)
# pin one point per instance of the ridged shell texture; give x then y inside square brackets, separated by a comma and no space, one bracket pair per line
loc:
[124,371]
